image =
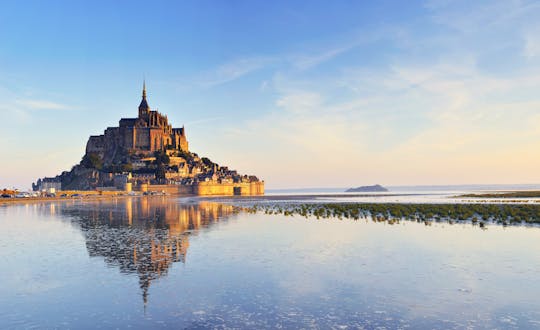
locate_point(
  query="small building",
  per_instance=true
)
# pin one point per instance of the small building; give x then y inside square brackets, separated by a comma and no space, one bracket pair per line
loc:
[50,185]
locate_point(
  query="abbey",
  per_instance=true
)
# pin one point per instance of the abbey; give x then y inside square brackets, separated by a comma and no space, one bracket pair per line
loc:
[147,154]
[147,133]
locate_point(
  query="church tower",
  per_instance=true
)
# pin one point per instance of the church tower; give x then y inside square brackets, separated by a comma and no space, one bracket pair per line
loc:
[143,107]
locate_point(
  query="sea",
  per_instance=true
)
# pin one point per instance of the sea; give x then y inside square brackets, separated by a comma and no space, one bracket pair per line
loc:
[440,194]
[166,262]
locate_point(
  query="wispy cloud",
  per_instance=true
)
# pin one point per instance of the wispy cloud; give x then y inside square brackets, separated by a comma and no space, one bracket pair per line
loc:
[203,120]
[319,55]
[300,102]
[304,62]
[41,105]
[448,120]
[532,43]
[233,70]
[472,16]
[324,53]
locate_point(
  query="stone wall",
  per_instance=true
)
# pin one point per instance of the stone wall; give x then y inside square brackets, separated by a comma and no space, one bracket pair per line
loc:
[142,138]
[228,189]
[209,189]
[256,188]
[168,188]
[213,189]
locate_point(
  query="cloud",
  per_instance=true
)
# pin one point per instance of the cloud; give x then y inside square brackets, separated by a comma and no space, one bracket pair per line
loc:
[41,105]
[421,102]
[300,102]
[240,67]
[403,123]
[304,62]
[203,121]
[233,70]
[324,53]
[532,43]
[473,16]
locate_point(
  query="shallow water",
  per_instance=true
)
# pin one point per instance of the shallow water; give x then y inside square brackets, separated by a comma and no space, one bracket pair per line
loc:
[164,263]
[422,195]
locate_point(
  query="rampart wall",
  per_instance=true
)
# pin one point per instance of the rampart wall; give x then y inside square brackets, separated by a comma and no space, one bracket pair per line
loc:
[209,189]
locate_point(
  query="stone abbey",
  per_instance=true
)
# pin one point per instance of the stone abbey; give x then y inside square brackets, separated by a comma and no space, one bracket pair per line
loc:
[147,154]
[148,133]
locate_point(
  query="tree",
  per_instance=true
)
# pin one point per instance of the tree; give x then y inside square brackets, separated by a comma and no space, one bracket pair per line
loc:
[92,160]
[161,158]
[127,167]
[186,155]
[160,172]
[207,162]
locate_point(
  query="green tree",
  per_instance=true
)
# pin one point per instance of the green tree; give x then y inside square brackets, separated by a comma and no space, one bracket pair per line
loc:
[186,155]
[207,162]
[160,172]
[92,160]
[161,158]
[127,167]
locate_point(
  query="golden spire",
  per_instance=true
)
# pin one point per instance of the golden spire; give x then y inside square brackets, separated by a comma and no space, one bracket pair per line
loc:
[144,89]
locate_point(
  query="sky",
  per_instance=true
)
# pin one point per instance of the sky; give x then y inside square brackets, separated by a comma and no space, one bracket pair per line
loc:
[299,93]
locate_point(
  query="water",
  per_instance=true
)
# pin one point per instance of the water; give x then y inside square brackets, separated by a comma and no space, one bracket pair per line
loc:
[159,262]
[413,189]
[404,194]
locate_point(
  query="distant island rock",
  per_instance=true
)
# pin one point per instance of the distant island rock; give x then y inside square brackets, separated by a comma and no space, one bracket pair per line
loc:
[374,188]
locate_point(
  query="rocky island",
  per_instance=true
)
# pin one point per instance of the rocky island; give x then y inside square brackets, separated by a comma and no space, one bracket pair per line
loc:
[147,153]
[374,188]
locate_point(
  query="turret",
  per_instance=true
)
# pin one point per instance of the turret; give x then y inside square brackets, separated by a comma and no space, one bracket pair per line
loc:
[143,107]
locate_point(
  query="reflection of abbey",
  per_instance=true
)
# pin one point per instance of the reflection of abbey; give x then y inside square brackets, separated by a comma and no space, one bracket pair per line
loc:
[147,133]
[147,153]
[153,235]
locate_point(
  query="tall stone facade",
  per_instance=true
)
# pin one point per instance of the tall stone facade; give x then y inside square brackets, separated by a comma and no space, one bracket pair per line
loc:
[147,133]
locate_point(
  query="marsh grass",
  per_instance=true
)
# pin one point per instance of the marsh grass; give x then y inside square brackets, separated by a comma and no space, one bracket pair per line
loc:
[511,194]
[393,213]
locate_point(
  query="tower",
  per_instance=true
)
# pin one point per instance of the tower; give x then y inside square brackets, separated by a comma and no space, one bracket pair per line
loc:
[143,107]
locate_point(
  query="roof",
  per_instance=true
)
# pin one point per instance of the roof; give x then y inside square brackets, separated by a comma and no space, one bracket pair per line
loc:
[144,104]
[128,122]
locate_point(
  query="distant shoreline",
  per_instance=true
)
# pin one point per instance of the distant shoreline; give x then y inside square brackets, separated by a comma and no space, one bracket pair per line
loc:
[491,197]
[30,200]
[413,188]
[504,194]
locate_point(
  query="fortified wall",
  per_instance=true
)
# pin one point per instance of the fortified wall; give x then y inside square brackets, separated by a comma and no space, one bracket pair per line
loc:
[242,188]
[208,189]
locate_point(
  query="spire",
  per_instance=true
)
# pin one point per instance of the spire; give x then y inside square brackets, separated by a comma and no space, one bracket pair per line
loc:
[144,89]
[143,107]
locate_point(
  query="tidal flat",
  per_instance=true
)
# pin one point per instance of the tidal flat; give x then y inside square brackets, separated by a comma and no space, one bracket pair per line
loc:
[392,213]
[165,262]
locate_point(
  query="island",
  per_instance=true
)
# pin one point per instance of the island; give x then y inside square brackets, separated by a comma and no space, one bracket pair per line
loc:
[374,188]
[147,154]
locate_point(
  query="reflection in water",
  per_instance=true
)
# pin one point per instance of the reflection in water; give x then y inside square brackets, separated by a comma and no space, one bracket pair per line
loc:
[271,271]
[142,236]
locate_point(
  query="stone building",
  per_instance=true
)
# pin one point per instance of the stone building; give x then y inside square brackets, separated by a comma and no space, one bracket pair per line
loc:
[47,184]
[147,133]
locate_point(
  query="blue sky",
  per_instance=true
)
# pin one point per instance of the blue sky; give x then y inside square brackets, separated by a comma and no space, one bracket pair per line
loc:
[301,93]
